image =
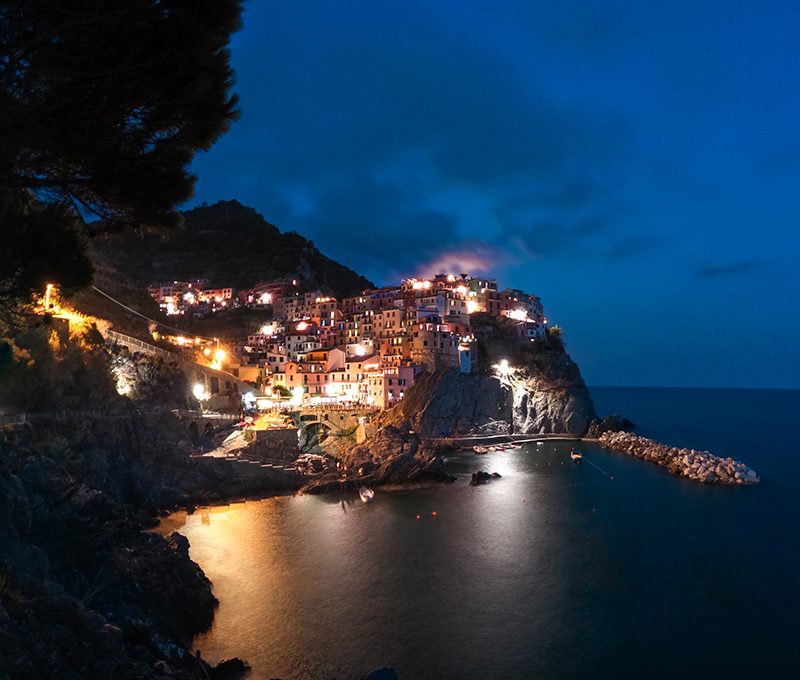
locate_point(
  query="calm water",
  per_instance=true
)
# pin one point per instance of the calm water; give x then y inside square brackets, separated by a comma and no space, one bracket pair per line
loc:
[555,570]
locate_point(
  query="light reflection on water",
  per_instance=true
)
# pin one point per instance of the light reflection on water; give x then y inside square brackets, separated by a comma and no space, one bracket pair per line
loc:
[327,586]
[552,571]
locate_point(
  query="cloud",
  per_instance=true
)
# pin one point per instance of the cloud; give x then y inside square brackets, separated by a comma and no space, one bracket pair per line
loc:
[474,259]
[731,270]
[374,129]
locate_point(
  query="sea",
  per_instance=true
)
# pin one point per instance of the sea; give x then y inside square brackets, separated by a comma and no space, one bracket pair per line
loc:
[612,568]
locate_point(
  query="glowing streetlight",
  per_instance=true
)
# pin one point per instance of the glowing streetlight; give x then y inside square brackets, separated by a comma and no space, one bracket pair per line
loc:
[503,369]
[47,295]
[199,392]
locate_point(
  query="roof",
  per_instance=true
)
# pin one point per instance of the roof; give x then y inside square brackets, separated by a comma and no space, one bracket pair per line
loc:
[361,360]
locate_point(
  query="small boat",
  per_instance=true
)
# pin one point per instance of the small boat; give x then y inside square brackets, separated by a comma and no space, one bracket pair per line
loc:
[367,495]
[576,455]
[480,449]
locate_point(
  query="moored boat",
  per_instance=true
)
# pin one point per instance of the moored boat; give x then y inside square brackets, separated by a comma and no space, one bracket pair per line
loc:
[576,455]
[367,495]
[480,449]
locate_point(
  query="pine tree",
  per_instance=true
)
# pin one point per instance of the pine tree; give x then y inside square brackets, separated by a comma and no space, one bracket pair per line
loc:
[103,105]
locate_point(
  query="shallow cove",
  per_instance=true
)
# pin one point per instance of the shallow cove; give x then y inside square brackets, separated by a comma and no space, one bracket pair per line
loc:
[553,570]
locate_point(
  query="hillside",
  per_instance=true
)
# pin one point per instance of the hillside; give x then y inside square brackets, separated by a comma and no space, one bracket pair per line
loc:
[229,244]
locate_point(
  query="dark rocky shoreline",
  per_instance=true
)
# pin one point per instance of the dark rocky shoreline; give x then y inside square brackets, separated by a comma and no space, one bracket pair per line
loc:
[86,590]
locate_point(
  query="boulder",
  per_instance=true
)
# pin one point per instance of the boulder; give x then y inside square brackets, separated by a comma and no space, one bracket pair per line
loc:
[701,466]
[479,477]
[612,423]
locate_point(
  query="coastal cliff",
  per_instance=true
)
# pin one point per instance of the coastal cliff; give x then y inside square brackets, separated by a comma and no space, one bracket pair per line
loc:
[85,589]
[548,397]
[541,392]
[539,389]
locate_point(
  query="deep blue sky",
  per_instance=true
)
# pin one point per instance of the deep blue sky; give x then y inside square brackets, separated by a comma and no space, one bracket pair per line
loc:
[636,164]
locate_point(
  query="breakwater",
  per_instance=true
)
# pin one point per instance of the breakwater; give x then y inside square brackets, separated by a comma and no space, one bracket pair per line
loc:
[700,466]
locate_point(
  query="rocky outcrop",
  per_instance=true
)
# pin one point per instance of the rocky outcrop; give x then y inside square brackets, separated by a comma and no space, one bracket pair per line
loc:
[612,423]
[448,402]
[481,477]
[393,456]
[85,589]
[550,396]
[544,395]
[700,466]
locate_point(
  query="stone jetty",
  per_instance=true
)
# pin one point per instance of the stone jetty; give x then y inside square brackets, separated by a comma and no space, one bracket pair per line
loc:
[700,466]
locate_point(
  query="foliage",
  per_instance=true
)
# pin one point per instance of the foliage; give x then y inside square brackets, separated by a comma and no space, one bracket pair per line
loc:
[41,243]
[347,434]
[281,391]
[231,245]
[149,379]
[497,339]
[227,325]
[93,337]
[45,373]
[555,336]
[102,107]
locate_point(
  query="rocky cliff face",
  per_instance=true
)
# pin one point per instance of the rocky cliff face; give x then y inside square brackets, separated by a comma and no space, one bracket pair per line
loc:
[85,591]
[395,455]
[448,402]
[544,394]
[549,395]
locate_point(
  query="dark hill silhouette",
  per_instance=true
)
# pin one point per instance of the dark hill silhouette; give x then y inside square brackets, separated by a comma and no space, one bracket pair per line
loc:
[231,245]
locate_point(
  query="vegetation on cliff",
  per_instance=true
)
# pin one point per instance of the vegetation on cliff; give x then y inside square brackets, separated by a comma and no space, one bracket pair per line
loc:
[92,123]
[230,244]
[83,591]
[497,339]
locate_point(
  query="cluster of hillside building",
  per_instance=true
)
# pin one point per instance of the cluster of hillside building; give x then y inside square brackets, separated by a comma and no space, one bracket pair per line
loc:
[198,299]
[366,349]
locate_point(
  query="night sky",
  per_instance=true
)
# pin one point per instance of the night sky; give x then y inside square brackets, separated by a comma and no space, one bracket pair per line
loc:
[636,164]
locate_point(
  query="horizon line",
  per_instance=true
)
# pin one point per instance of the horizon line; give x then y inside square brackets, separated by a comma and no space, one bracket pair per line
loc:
[692,387]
